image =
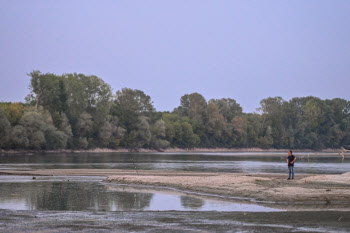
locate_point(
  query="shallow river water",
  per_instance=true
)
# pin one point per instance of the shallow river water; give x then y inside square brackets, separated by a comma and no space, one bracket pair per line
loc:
[92,194]
[306,163]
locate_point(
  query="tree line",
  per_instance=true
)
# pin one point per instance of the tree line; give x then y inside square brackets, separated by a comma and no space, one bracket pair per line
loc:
[76,111]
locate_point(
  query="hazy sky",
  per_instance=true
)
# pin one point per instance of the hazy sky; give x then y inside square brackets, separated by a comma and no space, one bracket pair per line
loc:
[245,50]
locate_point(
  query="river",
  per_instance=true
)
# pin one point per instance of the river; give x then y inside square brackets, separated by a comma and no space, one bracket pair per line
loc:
[306,163]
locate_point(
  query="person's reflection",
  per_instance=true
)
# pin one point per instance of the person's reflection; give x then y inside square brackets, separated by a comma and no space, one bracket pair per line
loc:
[191,202]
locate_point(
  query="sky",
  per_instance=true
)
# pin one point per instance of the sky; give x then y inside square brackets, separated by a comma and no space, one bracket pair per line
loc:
[245,50]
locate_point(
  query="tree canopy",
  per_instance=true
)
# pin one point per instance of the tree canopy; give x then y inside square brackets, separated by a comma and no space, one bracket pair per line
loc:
[76,111]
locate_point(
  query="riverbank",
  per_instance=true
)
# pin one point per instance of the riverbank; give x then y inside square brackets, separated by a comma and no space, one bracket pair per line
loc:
[174,150]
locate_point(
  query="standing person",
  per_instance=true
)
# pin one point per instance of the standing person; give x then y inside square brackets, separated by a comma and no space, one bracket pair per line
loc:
[290,160]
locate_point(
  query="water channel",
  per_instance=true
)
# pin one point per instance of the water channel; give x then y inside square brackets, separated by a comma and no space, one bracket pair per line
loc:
[307,163]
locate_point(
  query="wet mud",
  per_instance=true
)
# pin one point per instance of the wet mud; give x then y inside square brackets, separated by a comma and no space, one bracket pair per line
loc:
[173,221]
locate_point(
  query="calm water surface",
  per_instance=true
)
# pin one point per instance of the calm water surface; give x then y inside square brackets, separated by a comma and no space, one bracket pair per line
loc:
[209,162]
[91,194]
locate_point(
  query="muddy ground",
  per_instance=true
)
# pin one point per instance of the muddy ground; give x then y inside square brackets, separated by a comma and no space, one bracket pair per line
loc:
[172,221]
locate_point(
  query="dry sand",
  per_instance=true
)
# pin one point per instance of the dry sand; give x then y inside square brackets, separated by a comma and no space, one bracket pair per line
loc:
[305,191]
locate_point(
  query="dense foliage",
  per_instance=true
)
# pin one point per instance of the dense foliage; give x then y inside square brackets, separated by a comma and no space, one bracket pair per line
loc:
[75,111]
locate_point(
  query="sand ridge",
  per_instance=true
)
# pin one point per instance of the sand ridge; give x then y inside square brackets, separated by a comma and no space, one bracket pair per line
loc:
[311,190]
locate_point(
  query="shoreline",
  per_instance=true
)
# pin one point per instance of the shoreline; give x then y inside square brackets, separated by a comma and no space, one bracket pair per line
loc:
[175,150]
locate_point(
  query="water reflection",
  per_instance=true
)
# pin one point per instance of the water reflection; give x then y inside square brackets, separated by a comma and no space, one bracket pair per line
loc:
[191,202]
[80,194]
[68,195]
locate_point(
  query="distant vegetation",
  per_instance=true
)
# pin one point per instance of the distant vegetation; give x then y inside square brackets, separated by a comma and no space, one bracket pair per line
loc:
[75,111]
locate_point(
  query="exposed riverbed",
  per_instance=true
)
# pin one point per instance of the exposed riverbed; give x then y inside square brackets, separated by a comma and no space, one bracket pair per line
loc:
[179,192]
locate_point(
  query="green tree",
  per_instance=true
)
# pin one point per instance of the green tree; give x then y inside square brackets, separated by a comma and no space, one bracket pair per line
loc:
[254,129]
[65,126]
[193,106]
[84,129]
[179,132]
[144,134]
[19,138]
[46,90]
[76,97]
[35,127]
[189,139]
[313,113]
[130,104]
[13,111]
[215,125]
[111,133]
[135,111]
[158,131]
[5,128]
[88,94]
[239,131]
[266,141]
[55,139]
[36,131]
[272,112]
[228,107]
[140,136]
[84,125]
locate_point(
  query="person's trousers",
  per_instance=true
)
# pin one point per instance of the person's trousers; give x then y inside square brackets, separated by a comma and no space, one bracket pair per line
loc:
[291,171]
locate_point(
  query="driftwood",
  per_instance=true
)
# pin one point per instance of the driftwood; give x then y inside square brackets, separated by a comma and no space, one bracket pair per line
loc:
[342,152]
